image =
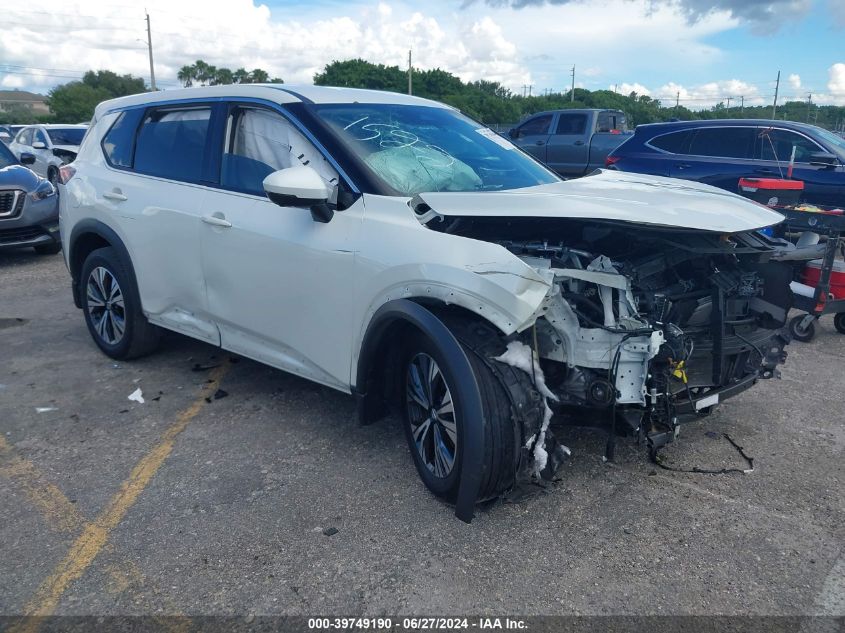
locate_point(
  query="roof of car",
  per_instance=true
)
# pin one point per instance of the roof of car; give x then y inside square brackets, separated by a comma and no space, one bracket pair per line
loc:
[680,125]
[55,126]
[278,93]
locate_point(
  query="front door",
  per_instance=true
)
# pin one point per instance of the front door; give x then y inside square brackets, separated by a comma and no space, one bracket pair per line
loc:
[533,136]
[279,284]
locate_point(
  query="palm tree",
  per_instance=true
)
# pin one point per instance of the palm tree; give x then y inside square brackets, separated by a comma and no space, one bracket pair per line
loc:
[240,76]
[186,75]
[223,76]
[202,74]
[259,76]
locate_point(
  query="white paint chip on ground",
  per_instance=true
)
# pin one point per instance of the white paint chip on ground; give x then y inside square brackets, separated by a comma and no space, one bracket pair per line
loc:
[137,396]
[45,409]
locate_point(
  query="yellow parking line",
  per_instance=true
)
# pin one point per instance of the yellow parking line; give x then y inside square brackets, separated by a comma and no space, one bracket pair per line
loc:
[95,535]
[60,513]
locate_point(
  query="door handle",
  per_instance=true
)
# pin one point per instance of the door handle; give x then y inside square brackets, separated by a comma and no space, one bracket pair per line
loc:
[540,143]
[579,143]
[115,194]
[217,220]
[764,170]
[684,166]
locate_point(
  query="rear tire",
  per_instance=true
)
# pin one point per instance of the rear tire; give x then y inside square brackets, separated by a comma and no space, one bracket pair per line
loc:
[804,334]
[441,422]
[112,307]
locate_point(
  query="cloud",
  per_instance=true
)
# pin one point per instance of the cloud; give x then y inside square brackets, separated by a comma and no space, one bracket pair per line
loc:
[626,89]
[794,81]
[293,41]
[835,84]
[764,16]
[709,94]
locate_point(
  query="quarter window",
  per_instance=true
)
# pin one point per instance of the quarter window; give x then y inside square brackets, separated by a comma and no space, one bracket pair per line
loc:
[778,144]
[25,137]
[171,143]
[119,141]
[674,142]
[723,142]
[539,125]
[570,124]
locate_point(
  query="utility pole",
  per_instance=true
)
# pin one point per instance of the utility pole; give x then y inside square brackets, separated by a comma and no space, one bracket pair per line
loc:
[775,102]
[742,106]
[150,47]
[809,104]
[530,87]
[573,83]
[524,90]
[615,88]
[677,101]
[729,106]
[410,73]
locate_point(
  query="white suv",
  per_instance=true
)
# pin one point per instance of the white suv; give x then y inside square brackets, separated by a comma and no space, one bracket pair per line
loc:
[390,247]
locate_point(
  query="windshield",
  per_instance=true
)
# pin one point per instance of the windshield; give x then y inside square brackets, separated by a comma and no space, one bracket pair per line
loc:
[6,157]
[832,140]
[414,149]
[66,135]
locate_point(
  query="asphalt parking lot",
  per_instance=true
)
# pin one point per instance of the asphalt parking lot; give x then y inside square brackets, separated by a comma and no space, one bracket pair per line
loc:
[186,506]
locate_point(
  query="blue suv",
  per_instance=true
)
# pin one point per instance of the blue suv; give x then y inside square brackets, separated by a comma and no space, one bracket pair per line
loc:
[720,152]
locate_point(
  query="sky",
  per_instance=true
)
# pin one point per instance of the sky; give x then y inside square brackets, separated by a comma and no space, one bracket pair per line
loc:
[701,52]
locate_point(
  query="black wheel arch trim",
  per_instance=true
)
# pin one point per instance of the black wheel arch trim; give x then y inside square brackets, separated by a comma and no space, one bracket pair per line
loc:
[446,343]
[105,232]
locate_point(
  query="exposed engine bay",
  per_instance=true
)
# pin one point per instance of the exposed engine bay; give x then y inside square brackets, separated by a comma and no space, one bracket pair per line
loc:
[644,327]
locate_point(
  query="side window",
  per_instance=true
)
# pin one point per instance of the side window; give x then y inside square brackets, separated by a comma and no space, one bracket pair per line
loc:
[723,142]
[778,144]
[571,124]
[40,137]
[25,137]
[611,122]
[674,142]
[261,142]
[119,142]
[538,125]
[171,143]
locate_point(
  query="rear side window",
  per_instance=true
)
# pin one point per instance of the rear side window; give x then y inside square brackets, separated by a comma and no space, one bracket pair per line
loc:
[723,142]
[171,143]
[539,125]
[571,124]
[25,137]
[674,142]
[119,141]
[611,122]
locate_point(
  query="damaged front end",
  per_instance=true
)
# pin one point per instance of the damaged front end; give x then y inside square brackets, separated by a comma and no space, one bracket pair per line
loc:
[643,327]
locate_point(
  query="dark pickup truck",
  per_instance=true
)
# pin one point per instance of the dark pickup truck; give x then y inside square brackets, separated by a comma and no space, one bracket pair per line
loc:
[571,142]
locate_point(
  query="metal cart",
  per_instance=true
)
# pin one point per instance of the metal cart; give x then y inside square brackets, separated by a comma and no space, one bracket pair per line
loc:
[803,326]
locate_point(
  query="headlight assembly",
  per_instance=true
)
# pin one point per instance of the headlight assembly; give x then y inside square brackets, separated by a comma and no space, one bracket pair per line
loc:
[42,191]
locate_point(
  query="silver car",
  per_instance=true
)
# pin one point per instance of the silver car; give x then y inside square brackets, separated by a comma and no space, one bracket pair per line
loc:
[52,146]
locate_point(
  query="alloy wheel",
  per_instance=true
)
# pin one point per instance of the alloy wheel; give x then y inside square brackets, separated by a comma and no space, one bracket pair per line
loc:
[104,300]
[431,414]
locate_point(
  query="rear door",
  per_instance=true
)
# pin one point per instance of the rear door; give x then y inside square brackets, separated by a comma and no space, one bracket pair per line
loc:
[823,184]
[717,156]
[533,135]
[155,189]
[568,148]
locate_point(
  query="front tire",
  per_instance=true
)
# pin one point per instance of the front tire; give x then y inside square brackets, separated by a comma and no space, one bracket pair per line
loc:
[839,322]
[112,307]
[434,423]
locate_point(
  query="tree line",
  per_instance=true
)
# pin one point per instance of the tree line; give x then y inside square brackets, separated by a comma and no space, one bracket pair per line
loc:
[486,101]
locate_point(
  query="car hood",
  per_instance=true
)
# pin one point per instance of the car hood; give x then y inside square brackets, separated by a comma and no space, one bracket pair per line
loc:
[18,177]
[614,196]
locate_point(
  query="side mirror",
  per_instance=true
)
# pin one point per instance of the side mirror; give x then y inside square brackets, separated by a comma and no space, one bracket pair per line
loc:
[513,132]
[39,145]
[27,158]
[823,158]
[300,187]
